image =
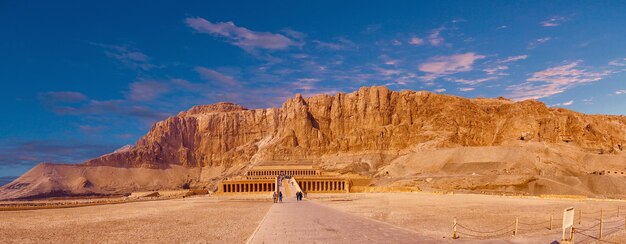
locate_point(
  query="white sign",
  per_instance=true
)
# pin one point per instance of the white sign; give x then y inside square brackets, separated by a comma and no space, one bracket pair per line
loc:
[568,219]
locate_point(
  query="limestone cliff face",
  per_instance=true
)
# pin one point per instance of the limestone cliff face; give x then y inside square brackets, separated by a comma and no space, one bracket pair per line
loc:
[402,138]
[372,119]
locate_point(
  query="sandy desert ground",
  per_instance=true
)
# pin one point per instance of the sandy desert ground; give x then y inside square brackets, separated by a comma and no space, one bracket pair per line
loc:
[190,220]
[433,215]
[210,219]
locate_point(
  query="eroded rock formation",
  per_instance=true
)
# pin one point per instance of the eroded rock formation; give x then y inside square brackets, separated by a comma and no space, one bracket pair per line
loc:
[372,120]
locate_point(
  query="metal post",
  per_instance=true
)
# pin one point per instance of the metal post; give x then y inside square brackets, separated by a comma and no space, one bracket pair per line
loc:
[601,216]
[580,215]
[550,223]
[454,230]
[516,223]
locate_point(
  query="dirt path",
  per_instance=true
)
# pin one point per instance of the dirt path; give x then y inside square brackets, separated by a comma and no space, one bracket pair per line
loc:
[308,222]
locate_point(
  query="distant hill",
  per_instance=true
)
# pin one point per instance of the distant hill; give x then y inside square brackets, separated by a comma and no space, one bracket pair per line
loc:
[7,179]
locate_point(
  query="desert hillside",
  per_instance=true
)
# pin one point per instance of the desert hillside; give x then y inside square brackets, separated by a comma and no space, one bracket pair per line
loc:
[406,138]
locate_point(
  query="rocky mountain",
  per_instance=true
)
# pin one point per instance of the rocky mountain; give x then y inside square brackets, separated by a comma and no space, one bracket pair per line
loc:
[374,132]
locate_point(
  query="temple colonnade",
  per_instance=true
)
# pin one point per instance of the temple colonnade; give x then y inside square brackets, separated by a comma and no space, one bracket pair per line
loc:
[248,187]
[323,185]
[295,172]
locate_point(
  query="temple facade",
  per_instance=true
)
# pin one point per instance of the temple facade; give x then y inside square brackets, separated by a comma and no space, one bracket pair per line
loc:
[265,179]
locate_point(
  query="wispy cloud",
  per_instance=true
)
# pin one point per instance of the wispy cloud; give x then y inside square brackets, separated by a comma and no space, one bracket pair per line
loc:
[146,90]
[435,37]
[341,43]
[372,28]
[618,62]
[306,84]
[555,80]
[445,65]
[416,41]
[128,56]
[496,70]
[512,59]
[65,96]
[502,64]
[568,103]
[220,79]
[473,81]
[466,89]
[554,21]
[440,90]
[29,153]
[91,129]
[620,92]
[240,36]
[539,41]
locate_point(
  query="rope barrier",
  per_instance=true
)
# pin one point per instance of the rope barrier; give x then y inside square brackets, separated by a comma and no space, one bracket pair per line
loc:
[532,229]
[485,232]
[528,227]
[588,228]
[460,233]
[593,212]
[614,221]
[538,223]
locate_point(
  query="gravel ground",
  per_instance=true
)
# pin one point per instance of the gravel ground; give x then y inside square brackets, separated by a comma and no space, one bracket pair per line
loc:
[190,220]
[433,215]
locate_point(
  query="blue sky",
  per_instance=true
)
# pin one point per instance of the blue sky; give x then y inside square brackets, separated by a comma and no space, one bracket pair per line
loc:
[82,78]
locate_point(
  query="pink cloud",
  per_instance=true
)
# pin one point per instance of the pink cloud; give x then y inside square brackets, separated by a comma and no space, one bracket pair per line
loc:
[474,81]
[435,38]
[501,65]
[618,62]
[495,70]
[146,90]
[65,97]
[127,56]
[221,79]
[341,43]
[240,36]
[554,80]
[513,59]
[416,41]
[445,65]
[538,42]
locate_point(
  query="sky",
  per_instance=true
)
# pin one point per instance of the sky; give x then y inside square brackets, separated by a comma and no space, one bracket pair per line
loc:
[82,78]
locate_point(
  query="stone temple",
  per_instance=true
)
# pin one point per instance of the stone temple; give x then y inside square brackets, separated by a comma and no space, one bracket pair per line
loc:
[265,178]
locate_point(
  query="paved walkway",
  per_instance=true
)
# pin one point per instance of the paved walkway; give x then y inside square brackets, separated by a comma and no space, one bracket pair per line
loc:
[309,222]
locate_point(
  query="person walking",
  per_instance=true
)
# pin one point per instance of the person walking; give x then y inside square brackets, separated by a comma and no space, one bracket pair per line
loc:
[274,196]
[280,196]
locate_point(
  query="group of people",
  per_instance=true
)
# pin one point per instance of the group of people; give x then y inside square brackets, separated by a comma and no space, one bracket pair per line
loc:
[278,197]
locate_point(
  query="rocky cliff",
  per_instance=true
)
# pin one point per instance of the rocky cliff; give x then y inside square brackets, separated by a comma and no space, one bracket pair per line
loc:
[340,131]
[371,119]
